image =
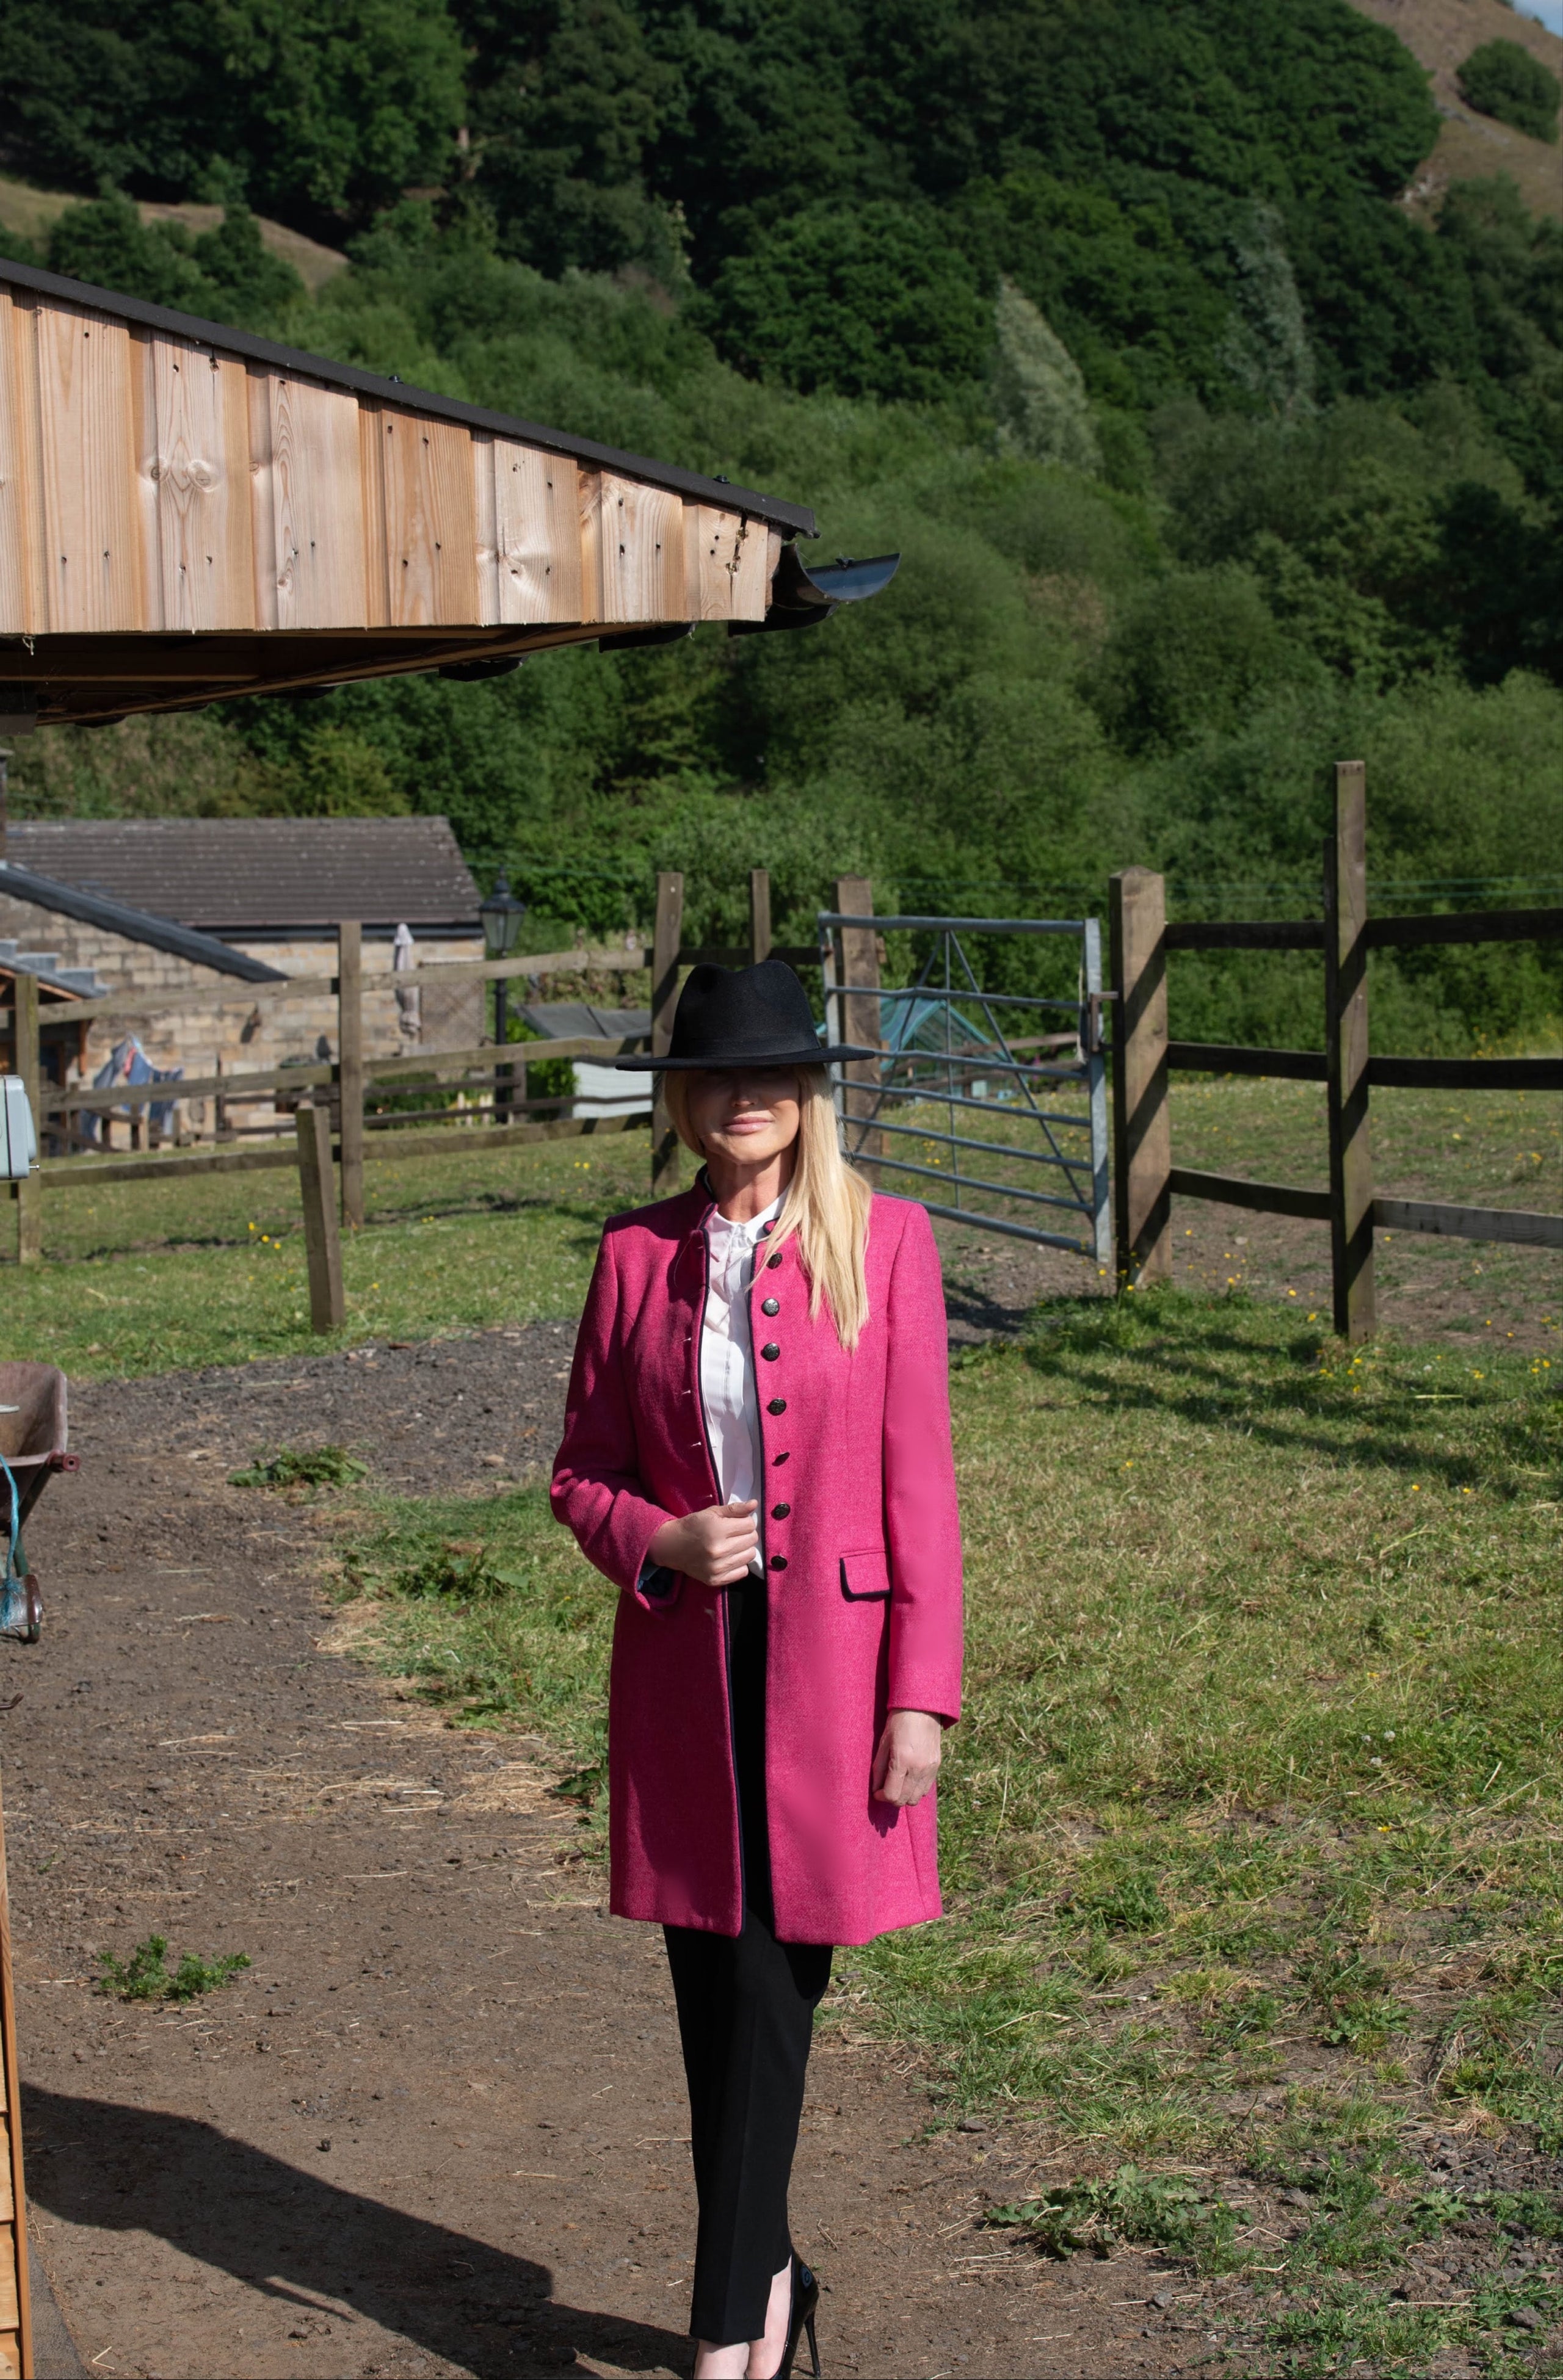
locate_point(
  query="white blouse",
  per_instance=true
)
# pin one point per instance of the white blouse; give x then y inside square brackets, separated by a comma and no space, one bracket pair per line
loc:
[727,1358]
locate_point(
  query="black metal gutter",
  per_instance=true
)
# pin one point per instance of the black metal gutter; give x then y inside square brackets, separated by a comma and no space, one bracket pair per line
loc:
[796,520]
[134,925]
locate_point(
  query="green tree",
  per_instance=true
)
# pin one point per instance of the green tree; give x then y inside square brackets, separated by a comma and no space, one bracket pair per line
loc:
[1501,78]
[876,302]
[1038,393]
[226,274]
[567,102]
[318,110]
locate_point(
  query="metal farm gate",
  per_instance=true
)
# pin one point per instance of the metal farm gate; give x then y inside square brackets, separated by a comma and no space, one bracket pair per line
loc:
[1010,1121]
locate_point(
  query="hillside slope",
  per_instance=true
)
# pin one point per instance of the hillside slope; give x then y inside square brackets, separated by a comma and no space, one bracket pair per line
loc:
[31,214]
[1440,35]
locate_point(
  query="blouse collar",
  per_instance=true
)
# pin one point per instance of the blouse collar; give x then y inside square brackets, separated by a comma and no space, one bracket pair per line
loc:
[754,1228]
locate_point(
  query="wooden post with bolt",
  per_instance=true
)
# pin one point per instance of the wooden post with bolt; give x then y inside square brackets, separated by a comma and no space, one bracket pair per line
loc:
[25,1057]
[1141,1125]
[858,1010]
[1345,1053]
[349,1069]
[322,1245]
[667,944]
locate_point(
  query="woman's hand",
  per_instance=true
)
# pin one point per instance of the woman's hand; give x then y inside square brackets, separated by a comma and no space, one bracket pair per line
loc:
[908,1759]
[714,1547]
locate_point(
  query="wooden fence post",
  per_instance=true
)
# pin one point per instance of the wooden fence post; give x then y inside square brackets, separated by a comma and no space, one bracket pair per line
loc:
[348,1072]
[16,2329]
[667,942]
[25,1056]
[322,1245]
[1346,1048]
[859,1007]
[758,915]
[1141,1124]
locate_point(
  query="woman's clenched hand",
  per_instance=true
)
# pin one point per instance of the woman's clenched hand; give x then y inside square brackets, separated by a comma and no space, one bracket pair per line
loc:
[908,1759]
[714,1547]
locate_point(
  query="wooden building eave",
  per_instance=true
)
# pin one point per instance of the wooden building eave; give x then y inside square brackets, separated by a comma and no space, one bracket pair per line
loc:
[189,513]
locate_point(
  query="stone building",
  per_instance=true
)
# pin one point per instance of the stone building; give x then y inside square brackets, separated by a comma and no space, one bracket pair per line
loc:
[172,905]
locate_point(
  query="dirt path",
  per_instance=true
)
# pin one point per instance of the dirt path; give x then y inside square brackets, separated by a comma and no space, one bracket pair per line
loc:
[438,2125]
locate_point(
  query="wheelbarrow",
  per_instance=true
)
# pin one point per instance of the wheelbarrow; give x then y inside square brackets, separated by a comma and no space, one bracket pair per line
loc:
[32,1444]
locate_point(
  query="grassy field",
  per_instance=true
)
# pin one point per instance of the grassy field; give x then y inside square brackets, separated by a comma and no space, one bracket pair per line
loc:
[1257,1806]
[143,1276]
[1252,1833]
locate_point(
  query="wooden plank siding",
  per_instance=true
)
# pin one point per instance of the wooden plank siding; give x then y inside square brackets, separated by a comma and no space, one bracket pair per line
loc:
[193,447]
[92,562]
[156,485]
[539,550]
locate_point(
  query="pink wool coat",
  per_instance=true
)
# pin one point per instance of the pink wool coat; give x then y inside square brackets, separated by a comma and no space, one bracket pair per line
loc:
[862,1547]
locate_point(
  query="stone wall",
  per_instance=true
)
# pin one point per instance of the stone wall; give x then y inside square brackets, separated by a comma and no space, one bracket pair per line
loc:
[243,1033]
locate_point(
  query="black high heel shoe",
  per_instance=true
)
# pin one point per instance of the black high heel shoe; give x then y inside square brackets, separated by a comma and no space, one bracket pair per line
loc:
[805,2305]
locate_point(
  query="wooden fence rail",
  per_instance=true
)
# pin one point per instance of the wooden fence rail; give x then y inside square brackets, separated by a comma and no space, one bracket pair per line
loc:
[1144,1056]
[330,1138]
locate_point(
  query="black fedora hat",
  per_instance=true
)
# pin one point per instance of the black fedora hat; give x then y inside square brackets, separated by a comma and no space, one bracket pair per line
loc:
[743,1016]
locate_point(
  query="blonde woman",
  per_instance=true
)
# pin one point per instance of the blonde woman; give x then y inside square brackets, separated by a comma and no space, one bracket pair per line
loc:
[757,1453]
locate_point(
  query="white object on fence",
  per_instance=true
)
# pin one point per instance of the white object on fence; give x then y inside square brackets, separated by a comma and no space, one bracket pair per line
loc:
[18,1134]
[408,1004]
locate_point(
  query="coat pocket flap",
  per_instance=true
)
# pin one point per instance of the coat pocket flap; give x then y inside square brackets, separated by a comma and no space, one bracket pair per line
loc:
[865,1578]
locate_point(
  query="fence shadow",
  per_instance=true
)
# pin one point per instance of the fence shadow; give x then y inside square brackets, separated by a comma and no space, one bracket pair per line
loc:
[292,2236]
[1217,1378]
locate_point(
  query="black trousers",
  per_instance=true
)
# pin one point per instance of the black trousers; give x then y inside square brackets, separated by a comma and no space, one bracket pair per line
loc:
[746,2017]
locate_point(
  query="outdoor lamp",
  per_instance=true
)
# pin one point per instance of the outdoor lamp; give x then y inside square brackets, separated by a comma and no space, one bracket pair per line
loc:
[502,915]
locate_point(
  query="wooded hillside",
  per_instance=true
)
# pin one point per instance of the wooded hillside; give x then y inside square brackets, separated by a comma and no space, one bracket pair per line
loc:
[1212,457]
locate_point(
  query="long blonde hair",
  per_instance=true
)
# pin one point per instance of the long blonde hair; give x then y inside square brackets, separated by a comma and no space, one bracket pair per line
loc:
[826,1204]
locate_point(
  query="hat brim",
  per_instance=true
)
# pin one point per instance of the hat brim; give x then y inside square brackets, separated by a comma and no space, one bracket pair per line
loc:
[840,1053]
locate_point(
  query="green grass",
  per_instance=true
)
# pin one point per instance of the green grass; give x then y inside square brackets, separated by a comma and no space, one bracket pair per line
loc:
[145,1277]
[142,1277]
[1258,1786]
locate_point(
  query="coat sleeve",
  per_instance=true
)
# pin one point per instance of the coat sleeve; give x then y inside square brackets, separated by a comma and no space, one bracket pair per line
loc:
[922,1521]
[597,1491]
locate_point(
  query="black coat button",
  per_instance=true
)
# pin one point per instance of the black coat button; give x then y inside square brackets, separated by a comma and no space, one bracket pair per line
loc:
[771,1305]
[780,1511]
[778,1458]
[776,1405]
[772,1262]
[770,1351]
[778,1562]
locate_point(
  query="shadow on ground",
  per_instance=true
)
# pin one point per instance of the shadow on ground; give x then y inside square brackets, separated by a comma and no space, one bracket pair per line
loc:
[296,2238]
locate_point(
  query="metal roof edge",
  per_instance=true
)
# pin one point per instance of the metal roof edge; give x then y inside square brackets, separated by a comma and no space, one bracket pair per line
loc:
[54,979]
[135,925]
[798,518]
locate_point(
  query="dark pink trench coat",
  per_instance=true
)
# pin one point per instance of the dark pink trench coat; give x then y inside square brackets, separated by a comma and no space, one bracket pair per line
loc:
[862,1547]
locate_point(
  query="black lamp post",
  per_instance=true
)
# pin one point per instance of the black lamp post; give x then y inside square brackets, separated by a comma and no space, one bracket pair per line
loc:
[502,915]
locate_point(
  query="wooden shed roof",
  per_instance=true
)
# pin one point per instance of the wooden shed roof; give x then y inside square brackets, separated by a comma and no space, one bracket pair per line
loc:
[187,513]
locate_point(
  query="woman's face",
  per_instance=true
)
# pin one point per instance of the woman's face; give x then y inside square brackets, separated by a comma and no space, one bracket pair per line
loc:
[747,1115]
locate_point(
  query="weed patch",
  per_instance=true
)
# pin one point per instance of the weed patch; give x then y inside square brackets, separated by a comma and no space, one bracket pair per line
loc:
[303,1466]
[145,1976]
[1141,2210]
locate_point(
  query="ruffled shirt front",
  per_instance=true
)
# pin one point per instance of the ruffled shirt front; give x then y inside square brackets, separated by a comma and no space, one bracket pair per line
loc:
[726,1357]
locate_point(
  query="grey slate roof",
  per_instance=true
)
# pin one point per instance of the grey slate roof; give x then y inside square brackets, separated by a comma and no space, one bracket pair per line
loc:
[135,925]
[239,876]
